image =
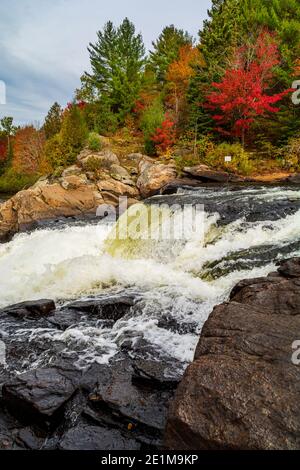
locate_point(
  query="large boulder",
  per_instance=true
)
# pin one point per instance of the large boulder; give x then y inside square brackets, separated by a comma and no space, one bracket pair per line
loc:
[119,173]
[154,176]
[103,159]
[242,390]
[118,188]
[75,193]
[46,202]
[207,175]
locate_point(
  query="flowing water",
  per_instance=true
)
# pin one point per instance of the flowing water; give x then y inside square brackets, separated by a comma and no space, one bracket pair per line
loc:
[176,283]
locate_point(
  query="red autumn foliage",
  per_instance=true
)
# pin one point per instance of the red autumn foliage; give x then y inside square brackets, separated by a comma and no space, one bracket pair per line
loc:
[165,135]
[3,149]
[242,95]
[139,107]
[28,150]
[81,105]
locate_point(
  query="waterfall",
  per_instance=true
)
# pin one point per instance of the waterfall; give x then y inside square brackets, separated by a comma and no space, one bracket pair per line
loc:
[241,234]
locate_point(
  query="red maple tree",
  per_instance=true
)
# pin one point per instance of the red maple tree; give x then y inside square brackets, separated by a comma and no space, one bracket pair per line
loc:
[165,135]
[242,95]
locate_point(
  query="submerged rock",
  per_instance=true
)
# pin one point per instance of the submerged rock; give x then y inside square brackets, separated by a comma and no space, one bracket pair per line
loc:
[242,390]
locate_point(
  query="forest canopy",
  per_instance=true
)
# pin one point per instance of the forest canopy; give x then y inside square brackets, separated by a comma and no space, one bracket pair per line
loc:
[226,91]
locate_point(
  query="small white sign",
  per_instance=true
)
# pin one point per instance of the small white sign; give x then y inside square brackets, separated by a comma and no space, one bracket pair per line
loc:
[228,159]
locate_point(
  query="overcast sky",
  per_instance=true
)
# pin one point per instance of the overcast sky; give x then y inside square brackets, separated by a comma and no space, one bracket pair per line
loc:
[43,44]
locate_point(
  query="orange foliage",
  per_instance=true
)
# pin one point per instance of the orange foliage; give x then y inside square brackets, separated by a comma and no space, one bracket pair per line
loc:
[28,150]
[180,73]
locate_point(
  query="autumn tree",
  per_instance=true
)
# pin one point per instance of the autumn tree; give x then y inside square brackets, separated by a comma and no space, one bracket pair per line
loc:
[28,150]
[244,93]
[231,24]
[179,75]
[166,50]
[53,121]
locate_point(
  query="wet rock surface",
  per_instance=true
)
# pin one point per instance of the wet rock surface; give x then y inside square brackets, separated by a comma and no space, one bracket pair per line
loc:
[39,308]
[233,201]
[59,403]
[242,390]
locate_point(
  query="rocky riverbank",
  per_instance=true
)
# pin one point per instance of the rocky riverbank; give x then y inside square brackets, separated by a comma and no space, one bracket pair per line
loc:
[101,178]
[121,405]
[242,390]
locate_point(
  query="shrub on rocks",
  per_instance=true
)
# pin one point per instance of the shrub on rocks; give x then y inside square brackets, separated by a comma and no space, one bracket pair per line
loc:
[94,142]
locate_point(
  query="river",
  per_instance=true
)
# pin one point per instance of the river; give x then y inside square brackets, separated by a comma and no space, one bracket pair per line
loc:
[176,285]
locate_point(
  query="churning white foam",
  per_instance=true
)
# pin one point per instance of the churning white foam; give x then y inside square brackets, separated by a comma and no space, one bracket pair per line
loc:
[72,262]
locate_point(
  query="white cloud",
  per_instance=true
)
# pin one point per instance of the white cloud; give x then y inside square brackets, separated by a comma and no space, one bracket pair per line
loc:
[43,43]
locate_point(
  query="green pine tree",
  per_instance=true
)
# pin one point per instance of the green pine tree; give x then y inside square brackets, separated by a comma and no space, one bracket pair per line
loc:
[117,61]
[53,121]
[73,135]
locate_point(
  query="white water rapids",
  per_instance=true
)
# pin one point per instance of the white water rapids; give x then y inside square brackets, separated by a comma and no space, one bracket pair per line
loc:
[72,262]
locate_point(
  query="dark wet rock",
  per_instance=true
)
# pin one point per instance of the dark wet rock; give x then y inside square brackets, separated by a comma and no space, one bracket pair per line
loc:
[66,318]
[141,349]
[9,429]
[66,408]
[171,324]
[86,437]
[242,390]
[106,308]
[115,390]
[39,395]
[154,372]
[232,203]
[290,268]
[30,440]
[33,309]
